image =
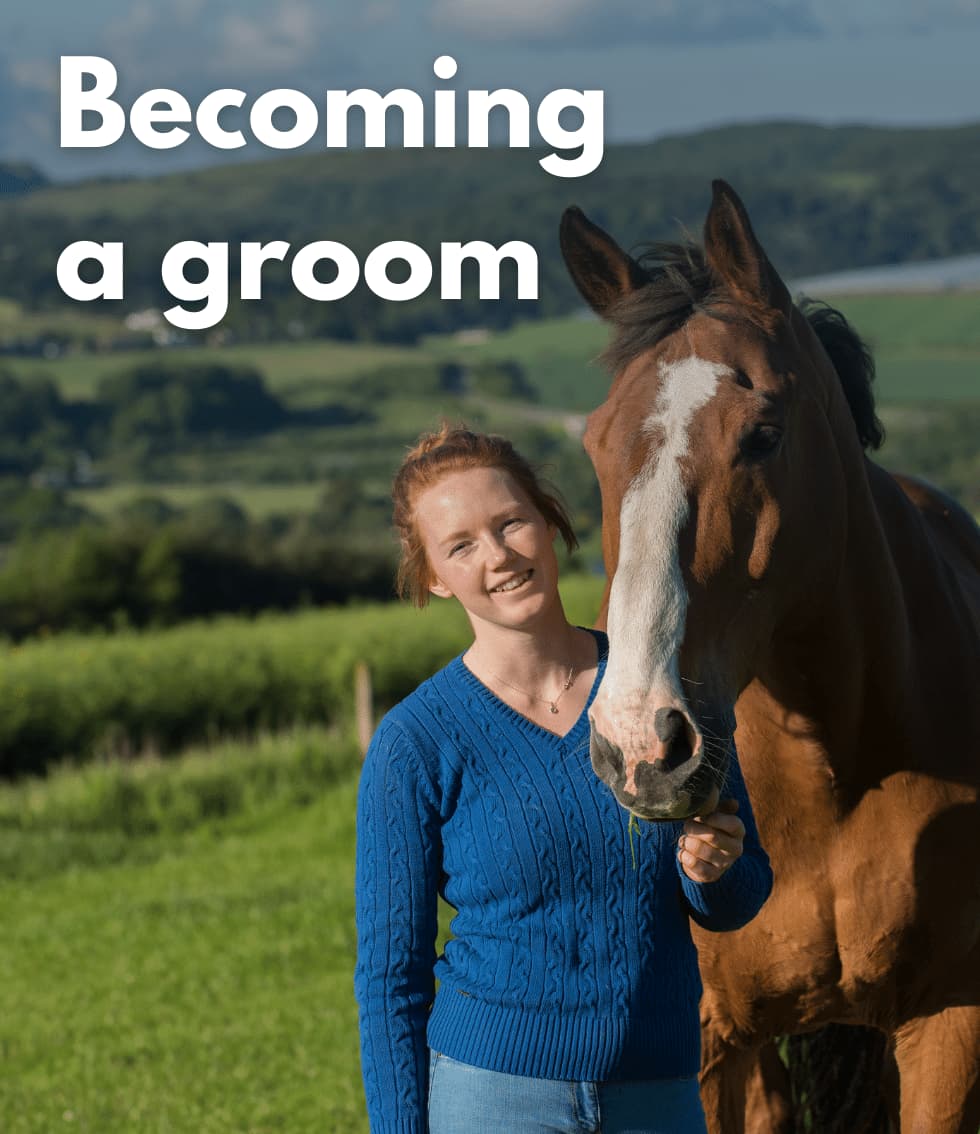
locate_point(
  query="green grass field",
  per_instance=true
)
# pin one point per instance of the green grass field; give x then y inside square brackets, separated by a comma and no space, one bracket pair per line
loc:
[927,347]
[945,323]
[258,500]
[558,355]
[291,369]
[18,323]
[197,982]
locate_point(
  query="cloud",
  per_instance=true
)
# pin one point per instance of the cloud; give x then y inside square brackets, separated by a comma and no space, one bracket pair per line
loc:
[26,91]
[194,45]
[286,42]
[509,19]
[580,23]
[33,76]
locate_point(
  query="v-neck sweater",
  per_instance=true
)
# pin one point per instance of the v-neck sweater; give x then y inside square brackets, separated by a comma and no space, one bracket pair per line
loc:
[571,954]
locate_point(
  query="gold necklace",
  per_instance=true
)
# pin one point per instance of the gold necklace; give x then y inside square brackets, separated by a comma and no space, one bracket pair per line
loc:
[552,703]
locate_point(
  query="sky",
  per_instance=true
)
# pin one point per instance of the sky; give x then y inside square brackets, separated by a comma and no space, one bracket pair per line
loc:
[666,66]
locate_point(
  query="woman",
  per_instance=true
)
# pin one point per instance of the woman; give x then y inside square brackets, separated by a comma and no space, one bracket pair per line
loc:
[568,996]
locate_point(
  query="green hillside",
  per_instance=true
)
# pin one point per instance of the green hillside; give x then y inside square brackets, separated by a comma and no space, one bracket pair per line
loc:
[822,198]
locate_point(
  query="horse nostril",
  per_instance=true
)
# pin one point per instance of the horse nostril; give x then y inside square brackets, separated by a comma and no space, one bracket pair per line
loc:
[668,723]
[674,730]
[607,758]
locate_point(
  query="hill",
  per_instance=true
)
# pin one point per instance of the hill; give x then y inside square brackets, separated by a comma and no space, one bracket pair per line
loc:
[822,198]
[18,177]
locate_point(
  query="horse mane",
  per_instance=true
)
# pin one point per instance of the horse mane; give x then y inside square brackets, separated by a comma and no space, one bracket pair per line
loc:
[680,282]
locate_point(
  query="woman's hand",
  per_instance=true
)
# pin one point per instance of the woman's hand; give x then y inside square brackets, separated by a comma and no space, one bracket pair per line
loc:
[711,843]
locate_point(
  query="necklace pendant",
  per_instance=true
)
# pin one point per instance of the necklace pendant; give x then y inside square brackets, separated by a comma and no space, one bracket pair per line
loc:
[554,707]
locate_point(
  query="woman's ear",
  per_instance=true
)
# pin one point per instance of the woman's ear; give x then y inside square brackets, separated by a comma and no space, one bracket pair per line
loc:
[439,589]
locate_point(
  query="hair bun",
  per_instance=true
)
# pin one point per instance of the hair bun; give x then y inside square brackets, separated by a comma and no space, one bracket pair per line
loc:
[447,434]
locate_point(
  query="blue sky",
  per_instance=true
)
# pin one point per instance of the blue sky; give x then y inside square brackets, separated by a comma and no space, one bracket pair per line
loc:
[667,66]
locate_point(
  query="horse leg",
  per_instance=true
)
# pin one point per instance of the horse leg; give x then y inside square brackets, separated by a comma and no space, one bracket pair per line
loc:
[725,1070]
[939,1070]
[768,1096]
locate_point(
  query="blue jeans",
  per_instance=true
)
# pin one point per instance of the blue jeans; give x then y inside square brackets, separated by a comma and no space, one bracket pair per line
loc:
[465,1099]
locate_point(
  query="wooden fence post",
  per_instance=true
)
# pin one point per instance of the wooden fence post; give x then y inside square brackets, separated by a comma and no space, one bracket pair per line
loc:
[363,706]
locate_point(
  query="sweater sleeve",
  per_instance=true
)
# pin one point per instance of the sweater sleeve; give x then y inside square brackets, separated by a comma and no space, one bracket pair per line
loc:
[738,895]
[396,892]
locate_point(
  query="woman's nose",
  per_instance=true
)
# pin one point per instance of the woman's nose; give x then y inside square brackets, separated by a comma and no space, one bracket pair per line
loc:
[499,551]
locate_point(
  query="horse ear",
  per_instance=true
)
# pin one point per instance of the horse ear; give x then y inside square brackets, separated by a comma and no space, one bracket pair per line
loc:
[601,270]
[736,255]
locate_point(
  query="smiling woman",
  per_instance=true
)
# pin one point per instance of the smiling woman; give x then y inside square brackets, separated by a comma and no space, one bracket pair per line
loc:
[568,995]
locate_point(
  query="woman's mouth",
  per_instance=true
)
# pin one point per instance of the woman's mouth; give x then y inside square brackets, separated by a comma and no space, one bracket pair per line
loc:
[513,584]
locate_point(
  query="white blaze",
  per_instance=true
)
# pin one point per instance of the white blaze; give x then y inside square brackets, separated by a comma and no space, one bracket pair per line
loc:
[648,599]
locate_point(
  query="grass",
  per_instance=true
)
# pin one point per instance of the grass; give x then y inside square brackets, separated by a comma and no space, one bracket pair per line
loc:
[258,500]
[926,377]
[78,816]
[200,982]
[558,355]
[290,369]
[17,323]
[925,324]
[77,697]
[927,346]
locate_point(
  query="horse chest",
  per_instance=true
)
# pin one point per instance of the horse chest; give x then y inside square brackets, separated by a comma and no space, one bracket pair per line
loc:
[850,922]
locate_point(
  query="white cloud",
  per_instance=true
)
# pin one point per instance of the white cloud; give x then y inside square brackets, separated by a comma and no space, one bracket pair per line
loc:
[34,75]
[579,22]
[583,23]
[507,19]
[277,40]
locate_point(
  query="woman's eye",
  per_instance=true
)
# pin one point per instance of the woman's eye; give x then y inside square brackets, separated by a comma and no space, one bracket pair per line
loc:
[760,442]
[457,548]
[515,520]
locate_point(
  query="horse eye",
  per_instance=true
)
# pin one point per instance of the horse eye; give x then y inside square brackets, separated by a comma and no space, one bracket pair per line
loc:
[760,442]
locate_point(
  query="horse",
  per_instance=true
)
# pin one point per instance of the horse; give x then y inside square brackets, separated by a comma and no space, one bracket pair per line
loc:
[767,578]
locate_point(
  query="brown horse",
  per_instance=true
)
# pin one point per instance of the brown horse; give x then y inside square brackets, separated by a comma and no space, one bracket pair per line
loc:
[764,571]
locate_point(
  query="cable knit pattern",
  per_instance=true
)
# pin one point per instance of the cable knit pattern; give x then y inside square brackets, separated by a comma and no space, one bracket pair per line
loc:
[566,962]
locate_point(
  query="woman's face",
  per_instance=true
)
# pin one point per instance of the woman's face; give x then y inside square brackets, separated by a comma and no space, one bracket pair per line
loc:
[488,546]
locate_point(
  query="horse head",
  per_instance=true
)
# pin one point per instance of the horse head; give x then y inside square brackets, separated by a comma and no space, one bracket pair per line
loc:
[723,452]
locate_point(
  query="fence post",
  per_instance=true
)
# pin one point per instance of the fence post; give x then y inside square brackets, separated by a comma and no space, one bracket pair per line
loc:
[363,706]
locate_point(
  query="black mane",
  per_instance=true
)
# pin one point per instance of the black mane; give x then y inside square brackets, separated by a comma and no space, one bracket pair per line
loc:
[681,282]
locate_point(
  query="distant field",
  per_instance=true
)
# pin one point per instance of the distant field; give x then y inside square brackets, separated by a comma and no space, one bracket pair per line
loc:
[289,368]
[947,323]
[927,349]
[914,378]
[258,500]
[927,346]
[16,323]
[558,355]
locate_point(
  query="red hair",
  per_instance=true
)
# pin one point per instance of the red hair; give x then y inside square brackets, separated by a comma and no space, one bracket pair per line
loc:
[455,449]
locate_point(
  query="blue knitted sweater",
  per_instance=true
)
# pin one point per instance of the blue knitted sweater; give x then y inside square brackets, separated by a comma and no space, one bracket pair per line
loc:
[567,961]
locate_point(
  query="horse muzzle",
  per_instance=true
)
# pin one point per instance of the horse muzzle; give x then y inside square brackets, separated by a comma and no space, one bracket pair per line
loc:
[671,778]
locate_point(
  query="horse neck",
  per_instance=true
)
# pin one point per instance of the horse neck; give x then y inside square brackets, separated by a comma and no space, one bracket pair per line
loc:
[851,660]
